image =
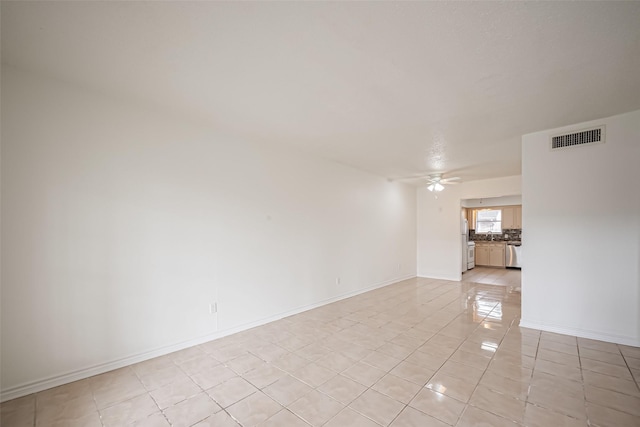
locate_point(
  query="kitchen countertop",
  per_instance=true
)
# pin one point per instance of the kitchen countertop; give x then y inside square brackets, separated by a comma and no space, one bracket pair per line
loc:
[504,242]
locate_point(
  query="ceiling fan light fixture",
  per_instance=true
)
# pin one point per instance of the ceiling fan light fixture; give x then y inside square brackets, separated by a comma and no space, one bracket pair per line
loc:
[435,187]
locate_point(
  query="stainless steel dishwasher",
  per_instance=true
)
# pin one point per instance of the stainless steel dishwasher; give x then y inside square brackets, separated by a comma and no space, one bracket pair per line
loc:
[513,255]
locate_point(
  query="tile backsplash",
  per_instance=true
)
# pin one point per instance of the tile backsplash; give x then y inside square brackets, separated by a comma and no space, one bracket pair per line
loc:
[512,235]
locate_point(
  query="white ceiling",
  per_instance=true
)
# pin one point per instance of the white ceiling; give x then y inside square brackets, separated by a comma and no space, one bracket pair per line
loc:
[394,88]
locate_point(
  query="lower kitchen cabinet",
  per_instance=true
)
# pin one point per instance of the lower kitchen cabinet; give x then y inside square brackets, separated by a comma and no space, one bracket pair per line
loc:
[490,254]
[482,254]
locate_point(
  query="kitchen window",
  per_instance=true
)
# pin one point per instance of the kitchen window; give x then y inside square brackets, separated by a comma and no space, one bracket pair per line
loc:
[489,221]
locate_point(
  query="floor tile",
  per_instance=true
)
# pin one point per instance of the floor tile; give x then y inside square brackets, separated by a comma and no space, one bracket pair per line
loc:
[411,372]
[410,417]
[476,360]
[427,360]
[313,351]
[174,392]
[557,369]
[397,388]
[603,356]
[316,408]
[289,362]
[213,376]
[514,358]
[597,345]
[632,362]
[129,411]
[535,416]
[504,385]
[557,338]
[507,370]
[19,412]
[284,418]
[602,416]
[269,352]
[342,389]
[244,363]
[438,405]
[376,406]
[221,419]
[254,409]
[90,420]
[544,381]
[606,368]
[335,361]
[498,404]
[450,386]
[64,393]
[364,374]
[613,399]
[313,374]
[111,392]
[558,357]
[69,411]
[628,351]
[608,382]
[395,350]
[191,411]
[571,349]
[153,365]
[286,390]
[231,391]
[350,418]
[263,375]
[197,364]
[461,371]
[154,420]
[558,401]
[381,361]
[475,417]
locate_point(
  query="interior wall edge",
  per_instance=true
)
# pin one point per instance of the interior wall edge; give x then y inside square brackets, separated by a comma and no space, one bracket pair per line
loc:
[80,374]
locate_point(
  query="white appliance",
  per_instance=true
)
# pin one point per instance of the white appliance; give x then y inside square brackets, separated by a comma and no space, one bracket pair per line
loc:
[464,230]
[471,255]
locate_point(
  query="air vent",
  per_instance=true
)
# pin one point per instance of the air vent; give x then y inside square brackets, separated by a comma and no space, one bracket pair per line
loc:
[589,136]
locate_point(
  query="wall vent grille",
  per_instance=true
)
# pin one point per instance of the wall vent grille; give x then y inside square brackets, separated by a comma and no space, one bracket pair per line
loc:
[589,136]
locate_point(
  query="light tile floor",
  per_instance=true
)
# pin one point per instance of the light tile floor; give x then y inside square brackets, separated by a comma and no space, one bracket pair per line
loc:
[421,352]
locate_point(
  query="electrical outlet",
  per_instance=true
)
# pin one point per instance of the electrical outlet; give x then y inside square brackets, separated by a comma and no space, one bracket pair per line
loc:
[337,280]
[213,308]
[399,266]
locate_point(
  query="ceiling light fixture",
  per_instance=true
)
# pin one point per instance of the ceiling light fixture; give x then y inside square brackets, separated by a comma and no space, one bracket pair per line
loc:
[436,186]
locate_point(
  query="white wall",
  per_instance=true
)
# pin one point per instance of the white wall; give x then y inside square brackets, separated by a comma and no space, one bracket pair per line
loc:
[120,226]
[581,215]
[439,242]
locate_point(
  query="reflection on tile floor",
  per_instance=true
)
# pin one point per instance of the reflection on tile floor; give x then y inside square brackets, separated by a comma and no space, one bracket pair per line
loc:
[493,276]
[421,352]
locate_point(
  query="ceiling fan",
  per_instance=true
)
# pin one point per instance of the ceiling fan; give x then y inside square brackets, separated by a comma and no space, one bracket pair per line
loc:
[435,181]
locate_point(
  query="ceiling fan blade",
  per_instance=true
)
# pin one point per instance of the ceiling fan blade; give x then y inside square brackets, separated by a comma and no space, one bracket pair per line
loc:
[453,178]
[409,177]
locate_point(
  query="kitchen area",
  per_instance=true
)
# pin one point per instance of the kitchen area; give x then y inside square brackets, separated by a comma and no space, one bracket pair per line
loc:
[492,233]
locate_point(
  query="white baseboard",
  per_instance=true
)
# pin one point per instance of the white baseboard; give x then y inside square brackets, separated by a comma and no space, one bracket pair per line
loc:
[582,333]
[451,279]
[75,375]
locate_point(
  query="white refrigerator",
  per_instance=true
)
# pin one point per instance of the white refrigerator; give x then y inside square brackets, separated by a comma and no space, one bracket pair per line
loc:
[464,230]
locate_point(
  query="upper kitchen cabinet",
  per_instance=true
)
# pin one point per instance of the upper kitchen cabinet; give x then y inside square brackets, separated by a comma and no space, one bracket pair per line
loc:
[512,217]
[471,218]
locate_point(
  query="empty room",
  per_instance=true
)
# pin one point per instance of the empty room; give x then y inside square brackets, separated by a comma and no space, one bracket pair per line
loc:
[341,214]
